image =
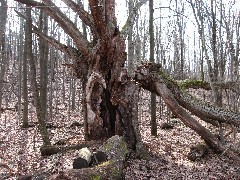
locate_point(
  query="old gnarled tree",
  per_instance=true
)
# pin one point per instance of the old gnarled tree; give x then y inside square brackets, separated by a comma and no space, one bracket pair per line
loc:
[110,96]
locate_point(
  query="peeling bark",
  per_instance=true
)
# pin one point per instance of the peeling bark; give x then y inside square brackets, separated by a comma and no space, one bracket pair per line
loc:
[94,89]
[99,65]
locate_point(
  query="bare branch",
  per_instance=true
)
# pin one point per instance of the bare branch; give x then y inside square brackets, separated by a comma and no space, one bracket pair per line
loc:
[83,15]
[69,27]
[64,22]
[70,51]
[97,17]
[31,3]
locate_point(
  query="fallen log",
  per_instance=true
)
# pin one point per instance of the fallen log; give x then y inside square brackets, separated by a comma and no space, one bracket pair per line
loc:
[196,84]
[201,109]
[153,79]
[50,150]
[116,149]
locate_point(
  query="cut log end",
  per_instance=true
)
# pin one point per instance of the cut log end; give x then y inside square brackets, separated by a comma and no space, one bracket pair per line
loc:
[197,152]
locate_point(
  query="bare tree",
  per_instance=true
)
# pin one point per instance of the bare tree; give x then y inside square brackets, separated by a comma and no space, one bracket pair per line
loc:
[3,58]
[24,71]
[35,90]
[199,13]
[153,95]
[43,50]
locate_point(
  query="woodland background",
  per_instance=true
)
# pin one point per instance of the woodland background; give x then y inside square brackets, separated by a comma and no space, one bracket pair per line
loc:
[193,40]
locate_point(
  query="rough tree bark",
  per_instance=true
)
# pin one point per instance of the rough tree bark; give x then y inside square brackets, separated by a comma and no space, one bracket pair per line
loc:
[43,60]
[99,66]
[24,78]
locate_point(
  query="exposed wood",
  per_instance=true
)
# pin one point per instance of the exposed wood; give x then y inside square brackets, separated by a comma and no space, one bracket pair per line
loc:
[109,96]
[111,170]
[150,78]
[116,150]
[50,150]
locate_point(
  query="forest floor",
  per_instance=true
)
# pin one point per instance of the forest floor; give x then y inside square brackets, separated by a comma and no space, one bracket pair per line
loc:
[20,154]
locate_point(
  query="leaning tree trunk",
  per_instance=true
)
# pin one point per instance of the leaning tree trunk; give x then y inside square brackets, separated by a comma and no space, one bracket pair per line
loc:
[152,78]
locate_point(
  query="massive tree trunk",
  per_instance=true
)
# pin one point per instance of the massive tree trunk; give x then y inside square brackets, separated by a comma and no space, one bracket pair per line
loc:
[99,65]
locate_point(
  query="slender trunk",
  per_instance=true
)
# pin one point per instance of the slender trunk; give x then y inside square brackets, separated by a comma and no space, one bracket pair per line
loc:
[3,57]
[43,49]
[24,85]
[28,40]
[212,71]
[153,95]
[51,87]
[218,92]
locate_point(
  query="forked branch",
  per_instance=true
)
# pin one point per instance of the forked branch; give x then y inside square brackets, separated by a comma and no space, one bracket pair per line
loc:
[64,22]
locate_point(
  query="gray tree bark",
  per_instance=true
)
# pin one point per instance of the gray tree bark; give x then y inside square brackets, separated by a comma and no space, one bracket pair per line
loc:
[43,50]
[153,95]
